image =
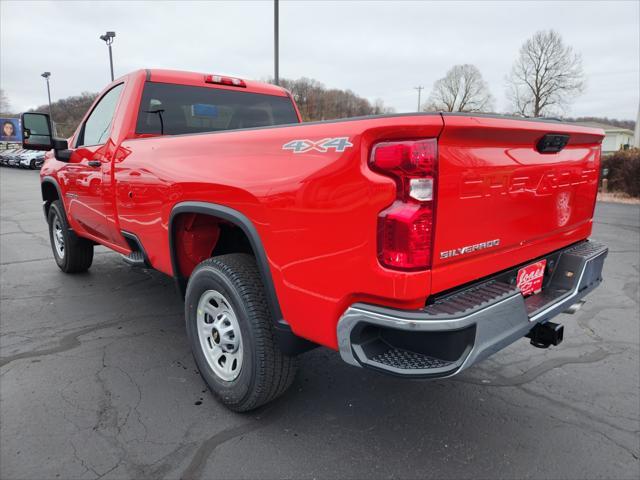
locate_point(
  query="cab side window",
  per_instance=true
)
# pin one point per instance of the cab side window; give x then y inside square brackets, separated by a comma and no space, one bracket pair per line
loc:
[98,126]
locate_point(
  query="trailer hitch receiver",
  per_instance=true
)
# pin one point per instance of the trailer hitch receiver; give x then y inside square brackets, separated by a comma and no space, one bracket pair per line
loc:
[545,334]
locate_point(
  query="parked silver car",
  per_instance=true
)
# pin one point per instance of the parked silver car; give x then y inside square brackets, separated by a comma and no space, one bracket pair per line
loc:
[5,155]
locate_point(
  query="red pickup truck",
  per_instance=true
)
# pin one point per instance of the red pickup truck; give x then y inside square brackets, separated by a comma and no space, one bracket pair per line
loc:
[414,244]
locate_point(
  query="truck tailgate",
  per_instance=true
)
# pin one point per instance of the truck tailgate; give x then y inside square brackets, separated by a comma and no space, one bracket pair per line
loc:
[500,202]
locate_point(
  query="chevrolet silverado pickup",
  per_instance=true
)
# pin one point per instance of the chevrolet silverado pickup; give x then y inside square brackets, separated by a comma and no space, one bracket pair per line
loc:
[413,244]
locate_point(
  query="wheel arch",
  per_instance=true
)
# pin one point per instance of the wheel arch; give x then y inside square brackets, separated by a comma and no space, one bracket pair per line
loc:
[239,220]
[288,341]
[50,192]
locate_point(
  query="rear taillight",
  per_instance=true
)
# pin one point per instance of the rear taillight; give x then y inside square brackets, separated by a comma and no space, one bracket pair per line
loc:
[405,229]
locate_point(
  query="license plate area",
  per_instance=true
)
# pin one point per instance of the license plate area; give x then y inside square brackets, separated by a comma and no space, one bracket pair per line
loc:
[529,278]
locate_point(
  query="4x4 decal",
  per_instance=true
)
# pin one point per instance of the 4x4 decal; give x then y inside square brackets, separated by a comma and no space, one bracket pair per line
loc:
[340,144]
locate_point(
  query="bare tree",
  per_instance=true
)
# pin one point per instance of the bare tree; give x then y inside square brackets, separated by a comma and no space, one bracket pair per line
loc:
[379,108]
[546,77]
[462,89]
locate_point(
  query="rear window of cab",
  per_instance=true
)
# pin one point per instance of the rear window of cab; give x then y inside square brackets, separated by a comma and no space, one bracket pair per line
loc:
[172,109]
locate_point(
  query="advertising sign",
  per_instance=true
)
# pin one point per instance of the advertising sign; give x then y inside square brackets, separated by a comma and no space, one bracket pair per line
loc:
[11,130]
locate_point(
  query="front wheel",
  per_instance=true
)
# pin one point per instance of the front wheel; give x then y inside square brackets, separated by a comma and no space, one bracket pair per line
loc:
[72,254]
[231,333]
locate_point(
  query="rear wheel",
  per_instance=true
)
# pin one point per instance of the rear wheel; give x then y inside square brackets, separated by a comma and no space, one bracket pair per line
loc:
[230,330]
[72,254]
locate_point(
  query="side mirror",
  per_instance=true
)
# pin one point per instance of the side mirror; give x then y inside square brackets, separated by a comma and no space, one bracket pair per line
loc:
[36,129]
[37,135]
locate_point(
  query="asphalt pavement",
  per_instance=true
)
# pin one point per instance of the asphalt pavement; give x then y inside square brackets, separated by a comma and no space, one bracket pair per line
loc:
[97,381]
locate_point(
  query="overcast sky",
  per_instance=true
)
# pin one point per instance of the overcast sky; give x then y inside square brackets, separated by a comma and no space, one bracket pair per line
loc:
[378,49]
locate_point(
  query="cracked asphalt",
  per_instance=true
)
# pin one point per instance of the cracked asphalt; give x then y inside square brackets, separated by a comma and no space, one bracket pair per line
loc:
[97,381]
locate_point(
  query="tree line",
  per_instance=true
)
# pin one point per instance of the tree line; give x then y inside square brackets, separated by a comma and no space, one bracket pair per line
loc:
[316,102]
[68,112]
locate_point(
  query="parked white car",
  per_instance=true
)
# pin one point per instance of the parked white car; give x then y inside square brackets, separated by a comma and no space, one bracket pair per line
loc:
[31,159]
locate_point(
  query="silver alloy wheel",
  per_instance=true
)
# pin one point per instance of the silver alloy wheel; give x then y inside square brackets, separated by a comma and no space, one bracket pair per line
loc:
[58,236]
[219,335]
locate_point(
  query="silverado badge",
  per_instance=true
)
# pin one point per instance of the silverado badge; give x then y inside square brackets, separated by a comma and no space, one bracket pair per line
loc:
[469,249]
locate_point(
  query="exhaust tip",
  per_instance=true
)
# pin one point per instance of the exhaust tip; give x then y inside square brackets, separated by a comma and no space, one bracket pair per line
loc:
[575,307]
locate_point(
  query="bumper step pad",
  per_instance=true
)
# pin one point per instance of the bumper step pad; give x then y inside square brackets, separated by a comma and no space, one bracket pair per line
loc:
[586,250]
[406,360]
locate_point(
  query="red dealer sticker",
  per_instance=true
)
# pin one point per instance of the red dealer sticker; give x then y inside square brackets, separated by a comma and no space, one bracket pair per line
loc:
[530,278]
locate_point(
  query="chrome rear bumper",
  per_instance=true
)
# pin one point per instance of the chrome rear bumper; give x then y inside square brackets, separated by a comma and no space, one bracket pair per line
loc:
[461,329]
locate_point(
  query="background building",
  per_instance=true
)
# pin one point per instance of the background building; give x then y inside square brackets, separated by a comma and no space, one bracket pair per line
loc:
[616,138]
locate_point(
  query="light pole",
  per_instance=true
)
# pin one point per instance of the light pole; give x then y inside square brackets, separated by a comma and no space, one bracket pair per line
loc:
[108,39]
[46,76]
[419,89]
[276,42]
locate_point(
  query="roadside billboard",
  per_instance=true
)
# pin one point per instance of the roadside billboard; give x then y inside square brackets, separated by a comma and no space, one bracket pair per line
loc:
[11,130]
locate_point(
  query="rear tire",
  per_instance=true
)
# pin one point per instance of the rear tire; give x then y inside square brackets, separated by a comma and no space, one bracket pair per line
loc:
[231,332]
[72,254]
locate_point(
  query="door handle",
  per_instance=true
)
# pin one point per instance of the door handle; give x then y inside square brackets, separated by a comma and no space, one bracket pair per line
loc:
[94,163]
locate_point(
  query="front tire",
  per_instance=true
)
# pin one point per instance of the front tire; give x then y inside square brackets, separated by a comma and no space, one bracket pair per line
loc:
[72,254]
[231,332]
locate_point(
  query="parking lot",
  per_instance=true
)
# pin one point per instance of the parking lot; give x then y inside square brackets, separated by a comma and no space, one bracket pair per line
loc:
[97,381]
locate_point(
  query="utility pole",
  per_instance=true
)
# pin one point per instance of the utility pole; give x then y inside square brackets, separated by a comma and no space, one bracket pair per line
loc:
[636,133]
[276,47]
[46,76]
[108,39]
[419,89]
